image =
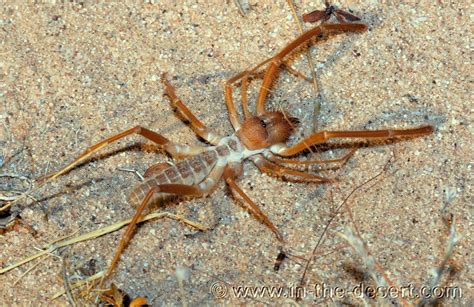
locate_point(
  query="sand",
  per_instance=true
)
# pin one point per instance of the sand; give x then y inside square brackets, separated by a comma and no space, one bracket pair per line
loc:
[73,74]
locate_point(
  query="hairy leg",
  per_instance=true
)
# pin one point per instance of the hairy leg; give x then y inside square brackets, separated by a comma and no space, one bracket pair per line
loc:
[290,174]
[200,189]
[198,127]
[323,136]
[229,176]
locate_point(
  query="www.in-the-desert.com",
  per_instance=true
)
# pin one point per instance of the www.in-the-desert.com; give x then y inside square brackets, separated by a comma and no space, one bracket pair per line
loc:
[321,290]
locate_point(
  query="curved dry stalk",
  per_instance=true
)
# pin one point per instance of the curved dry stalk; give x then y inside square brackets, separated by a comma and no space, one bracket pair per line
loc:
[100,232]
[5,197]
[333,217]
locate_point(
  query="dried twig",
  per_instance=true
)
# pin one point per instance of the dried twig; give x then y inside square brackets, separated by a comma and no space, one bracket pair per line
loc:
[78,284]
[3,193]
[100,232]
[438,271]
[335,214]
[132,171]
[243,6]
[67,287]
[317,103]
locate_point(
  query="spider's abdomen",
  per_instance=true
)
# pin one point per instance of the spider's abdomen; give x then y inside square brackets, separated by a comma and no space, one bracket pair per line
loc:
[189,171]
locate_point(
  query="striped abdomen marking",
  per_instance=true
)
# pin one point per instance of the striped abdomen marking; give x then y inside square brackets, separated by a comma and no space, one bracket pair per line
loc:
[189,172]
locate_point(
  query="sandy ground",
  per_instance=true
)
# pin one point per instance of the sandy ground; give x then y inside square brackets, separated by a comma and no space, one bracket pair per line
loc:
[72,75]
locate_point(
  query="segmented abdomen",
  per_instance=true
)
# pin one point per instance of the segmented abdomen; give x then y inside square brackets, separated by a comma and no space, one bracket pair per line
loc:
[190,171]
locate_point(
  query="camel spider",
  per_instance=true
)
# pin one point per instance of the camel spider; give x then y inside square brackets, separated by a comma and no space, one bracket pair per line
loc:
[259,137]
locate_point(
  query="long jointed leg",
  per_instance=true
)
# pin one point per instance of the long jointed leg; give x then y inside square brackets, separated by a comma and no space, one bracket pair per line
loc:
[276,61]
[198,127]
[274,169]
[339,161]
[151,135]
[178,189]
[229,175]
[170,147]
[245,75]
[323,136]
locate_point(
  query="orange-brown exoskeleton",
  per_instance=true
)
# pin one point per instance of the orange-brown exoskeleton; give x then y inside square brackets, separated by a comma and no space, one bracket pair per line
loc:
[260,137]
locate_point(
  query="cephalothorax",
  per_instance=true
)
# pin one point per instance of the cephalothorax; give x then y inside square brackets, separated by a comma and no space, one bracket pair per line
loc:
[260,137]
